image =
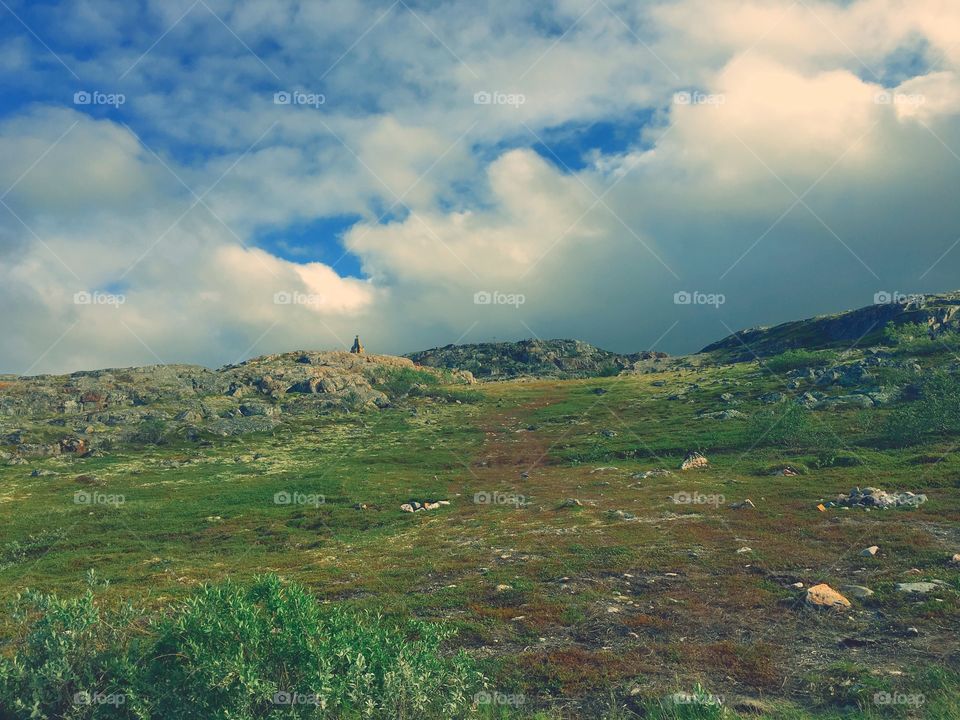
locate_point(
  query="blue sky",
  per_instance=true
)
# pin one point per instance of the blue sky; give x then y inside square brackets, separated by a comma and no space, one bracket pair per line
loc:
[595,158]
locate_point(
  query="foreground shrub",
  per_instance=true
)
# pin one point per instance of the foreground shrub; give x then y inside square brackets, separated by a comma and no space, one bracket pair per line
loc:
[266,650]
[70,661]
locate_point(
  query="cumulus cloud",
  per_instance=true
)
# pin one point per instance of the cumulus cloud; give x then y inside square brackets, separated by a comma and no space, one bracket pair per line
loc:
[794,157]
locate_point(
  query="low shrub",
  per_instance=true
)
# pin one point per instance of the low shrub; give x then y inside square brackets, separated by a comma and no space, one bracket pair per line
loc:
[795,359]
[245,652]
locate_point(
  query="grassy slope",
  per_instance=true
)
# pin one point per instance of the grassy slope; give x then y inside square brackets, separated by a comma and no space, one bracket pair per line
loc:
[595,604]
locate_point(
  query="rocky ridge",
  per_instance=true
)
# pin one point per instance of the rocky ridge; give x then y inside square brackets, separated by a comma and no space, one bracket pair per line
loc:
[532,358]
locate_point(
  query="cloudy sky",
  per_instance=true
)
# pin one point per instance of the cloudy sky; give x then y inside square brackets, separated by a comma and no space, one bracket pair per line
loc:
[203,181]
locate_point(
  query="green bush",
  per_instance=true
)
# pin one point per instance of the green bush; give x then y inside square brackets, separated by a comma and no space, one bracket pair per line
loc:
[792,428]
[794,359]
[917,339]
[936,412]
[70,662]
[399,382]
[265,650]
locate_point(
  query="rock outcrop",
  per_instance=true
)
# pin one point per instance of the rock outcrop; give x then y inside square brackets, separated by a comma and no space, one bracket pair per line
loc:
[531,358]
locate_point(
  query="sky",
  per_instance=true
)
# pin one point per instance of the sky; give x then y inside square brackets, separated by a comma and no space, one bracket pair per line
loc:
[203,181]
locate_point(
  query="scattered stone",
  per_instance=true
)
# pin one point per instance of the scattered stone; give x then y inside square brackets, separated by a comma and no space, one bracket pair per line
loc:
[824,596]
[912,632]
[659,472]
[504,588]
[621,515]
[773,398]
[920,588]
[876,498]
[744,551]
[416,506]
[606,468]
[722,415]
[609,433]
[955,559]
[797,585]
[43,473]
[748,503]
[571,502]
[694,460]
[786,471]
[870,551]
[857,591]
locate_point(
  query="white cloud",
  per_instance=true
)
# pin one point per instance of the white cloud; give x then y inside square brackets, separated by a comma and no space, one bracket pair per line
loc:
[699,201]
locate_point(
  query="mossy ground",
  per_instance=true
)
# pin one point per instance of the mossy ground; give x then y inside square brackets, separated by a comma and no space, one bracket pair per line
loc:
[582,612]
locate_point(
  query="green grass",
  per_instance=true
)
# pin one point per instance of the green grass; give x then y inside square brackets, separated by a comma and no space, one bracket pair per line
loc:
[528,587]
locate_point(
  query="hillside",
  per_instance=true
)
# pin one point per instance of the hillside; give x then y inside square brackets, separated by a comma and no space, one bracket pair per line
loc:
[862,328]
[691,539]
[531,358]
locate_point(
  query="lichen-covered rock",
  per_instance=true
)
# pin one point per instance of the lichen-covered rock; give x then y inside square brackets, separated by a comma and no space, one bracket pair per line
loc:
[694,460]
[824,596]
